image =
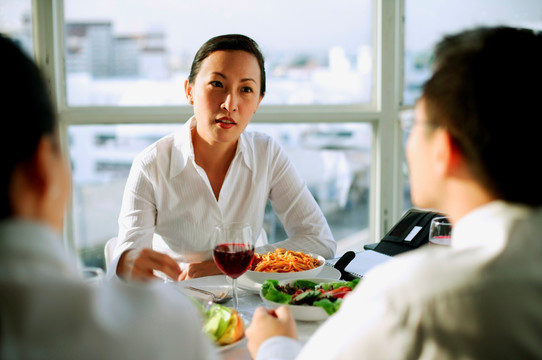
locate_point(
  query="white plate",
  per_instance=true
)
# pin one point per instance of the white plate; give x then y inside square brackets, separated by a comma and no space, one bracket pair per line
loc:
[229,346]
[247,284]
[301,312]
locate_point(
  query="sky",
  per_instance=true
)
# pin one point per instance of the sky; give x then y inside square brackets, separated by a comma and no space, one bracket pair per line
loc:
[276,25]
[285,25]
[440,17]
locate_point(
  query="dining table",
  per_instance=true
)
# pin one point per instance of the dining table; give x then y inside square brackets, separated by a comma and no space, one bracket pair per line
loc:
[249,300]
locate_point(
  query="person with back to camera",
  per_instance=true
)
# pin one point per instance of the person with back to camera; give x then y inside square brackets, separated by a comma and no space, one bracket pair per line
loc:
[210,172]
[472,154]
[47,310]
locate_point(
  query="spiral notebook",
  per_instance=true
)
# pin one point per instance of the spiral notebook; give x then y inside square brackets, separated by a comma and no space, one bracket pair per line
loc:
[359,263]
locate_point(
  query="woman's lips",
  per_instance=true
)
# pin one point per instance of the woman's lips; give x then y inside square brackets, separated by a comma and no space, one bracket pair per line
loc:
[225,123]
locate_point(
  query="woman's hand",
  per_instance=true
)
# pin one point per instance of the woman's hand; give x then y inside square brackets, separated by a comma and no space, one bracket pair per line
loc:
[139,264]
[195,270]
[268,323]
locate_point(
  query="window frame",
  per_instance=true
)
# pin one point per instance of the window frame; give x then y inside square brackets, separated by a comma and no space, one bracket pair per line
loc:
[382,113]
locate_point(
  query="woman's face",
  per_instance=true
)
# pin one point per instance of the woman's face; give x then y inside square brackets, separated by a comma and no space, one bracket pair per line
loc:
[225,94]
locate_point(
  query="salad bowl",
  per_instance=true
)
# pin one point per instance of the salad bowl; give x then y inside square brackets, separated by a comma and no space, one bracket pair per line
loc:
[313,299]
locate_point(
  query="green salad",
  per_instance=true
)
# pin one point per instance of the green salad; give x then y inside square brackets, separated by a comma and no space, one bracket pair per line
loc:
[327,295]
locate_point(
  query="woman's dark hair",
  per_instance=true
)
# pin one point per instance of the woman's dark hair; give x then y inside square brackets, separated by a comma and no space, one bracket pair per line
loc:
[28,114]
[228,42]
[486,91]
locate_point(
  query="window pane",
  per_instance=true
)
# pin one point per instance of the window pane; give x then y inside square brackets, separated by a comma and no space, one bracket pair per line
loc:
[427,21]
[334,160]
[407,201]
[16,22]
[316,51]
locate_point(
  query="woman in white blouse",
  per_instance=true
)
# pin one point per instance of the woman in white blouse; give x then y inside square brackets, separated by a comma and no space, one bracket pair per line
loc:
[211,171]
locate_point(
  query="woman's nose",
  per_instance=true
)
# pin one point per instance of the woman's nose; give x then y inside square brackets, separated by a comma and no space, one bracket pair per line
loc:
[230,103]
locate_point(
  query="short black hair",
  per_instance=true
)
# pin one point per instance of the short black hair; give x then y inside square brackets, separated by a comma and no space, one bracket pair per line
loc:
[486,91]
[28,113]
[228,42]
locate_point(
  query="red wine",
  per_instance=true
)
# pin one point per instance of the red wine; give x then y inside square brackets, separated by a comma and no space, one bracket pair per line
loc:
[233,259]
[441,240]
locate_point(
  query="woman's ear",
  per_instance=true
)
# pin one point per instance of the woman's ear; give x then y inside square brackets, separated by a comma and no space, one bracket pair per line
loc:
[259,101]
[188,92]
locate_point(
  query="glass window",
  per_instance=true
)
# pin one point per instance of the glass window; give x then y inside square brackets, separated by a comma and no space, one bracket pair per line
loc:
[334,160]
[317,52]
[16,22]
[427,21]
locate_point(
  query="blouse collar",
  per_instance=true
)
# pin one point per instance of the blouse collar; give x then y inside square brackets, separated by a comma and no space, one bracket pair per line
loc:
[183,150]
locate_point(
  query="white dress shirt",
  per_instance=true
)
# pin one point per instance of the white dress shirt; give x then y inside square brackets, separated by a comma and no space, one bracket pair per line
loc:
[48,312]
[169,204]
[479,299]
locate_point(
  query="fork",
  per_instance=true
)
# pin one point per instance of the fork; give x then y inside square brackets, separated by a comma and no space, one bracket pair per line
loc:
[223,297]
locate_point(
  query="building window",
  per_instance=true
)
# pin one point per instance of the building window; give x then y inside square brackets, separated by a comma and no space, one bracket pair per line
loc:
[317,52]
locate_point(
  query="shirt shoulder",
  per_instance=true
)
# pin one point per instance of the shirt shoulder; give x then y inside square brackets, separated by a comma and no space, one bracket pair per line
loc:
[258,140]
[423,275]
[157,150]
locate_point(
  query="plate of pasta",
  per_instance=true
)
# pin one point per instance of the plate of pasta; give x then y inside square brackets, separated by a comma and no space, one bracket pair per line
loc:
[283,264]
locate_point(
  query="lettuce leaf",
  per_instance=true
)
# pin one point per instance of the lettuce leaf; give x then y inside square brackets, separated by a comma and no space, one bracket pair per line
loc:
[334,285]
[305,284]
[218,317]
[329,306]
[271,293]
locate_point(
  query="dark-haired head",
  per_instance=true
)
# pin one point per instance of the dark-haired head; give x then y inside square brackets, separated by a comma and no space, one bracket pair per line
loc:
[28,114]
[486,92]
[228,42]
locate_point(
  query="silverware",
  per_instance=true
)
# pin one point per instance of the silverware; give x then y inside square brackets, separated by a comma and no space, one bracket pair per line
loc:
[219,299]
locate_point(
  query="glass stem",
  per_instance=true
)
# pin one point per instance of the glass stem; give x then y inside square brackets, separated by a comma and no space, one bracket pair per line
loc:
[234,288]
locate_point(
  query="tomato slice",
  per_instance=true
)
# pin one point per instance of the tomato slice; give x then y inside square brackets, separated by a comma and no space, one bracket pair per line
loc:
[339,292]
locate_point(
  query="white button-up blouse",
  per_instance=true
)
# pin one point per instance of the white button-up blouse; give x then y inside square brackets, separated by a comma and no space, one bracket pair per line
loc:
[169,204]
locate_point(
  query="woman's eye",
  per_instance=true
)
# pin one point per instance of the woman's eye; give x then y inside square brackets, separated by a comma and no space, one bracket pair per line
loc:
[216,83]
[246,89]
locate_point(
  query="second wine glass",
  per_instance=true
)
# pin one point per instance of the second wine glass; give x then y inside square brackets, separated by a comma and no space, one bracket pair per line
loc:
[440,232]
[233,250]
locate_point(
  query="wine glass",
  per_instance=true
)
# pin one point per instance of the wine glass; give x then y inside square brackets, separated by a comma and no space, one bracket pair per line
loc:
[233,251]
[440,232]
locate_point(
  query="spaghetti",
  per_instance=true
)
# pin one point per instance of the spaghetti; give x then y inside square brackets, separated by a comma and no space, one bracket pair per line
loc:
[283,261]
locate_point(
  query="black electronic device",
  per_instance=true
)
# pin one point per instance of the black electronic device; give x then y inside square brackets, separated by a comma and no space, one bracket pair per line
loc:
[410,232]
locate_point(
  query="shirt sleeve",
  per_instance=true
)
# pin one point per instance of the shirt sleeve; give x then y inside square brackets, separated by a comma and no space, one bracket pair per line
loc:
[278,347]
[302,218]
[137,218]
